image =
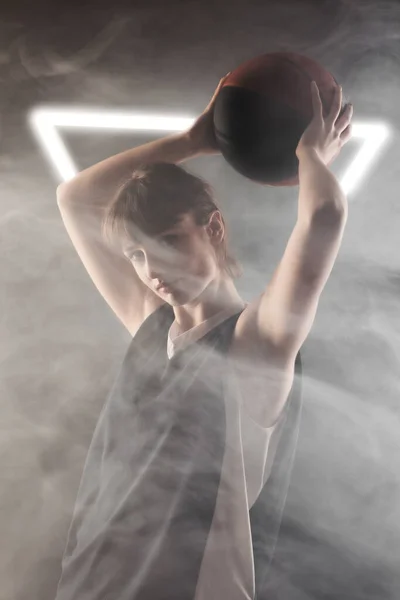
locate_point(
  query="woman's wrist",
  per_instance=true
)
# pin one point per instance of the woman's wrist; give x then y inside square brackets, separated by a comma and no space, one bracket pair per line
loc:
[192,143]
[307,152]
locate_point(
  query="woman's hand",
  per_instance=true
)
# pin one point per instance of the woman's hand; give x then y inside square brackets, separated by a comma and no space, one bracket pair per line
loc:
[327,136]
[201,133]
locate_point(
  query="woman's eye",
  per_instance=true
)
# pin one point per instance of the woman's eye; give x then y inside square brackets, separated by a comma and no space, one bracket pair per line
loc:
[170,239]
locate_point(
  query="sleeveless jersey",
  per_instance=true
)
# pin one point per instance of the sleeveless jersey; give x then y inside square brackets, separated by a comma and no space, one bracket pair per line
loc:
[182,492]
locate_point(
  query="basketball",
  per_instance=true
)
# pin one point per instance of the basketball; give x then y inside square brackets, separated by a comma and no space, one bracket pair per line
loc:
[262,110]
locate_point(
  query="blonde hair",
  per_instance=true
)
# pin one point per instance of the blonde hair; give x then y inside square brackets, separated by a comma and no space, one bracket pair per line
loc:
[154,199]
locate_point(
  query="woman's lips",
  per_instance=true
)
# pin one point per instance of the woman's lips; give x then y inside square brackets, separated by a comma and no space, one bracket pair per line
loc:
[165,287]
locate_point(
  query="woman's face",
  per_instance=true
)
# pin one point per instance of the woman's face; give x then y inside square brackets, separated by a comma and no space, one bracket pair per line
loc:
[183,258]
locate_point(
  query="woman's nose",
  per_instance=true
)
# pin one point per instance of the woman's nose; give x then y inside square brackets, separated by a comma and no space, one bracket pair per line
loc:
[156,267]
[160,263]
[153,273]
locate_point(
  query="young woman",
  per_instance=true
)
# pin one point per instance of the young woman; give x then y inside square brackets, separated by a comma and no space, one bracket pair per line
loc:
[185,443]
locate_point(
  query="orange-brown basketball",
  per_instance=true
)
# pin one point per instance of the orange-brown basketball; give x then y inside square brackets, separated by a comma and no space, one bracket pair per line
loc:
[262,111]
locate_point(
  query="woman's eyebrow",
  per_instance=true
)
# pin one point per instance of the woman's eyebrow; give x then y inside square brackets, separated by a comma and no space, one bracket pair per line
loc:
[129,244]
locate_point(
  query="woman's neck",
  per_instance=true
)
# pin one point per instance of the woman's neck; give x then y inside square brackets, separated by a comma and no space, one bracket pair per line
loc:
[224,296]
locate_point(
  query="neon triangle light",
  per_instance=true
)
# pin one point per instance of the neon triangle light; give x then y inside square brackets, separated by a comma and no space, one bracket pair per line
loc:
[46,123]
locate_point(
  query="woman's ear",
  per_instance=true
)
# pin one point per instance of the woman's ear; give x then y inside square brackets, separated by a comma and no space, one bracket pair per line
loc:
[216,227]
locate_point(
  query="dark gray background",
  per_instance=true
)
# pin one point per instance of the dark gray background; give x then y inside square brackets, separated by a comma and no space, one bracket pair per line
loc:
[61,346]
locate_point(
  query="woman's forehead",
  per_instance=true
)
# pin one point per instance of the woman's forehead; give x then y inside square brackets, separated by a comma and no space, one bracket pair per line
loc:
[130,241]
[133,234]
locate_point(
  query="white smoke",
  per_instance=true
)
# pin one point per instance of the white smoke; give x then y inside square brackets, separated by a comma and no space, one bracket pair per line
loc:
[61,347]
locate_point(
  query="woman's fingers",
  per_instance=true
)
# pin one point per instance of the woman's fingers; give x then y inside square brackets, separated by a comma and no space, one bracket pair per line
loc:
[344,120]
[346,135]
[335,108]
[221,82]
[316,100]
